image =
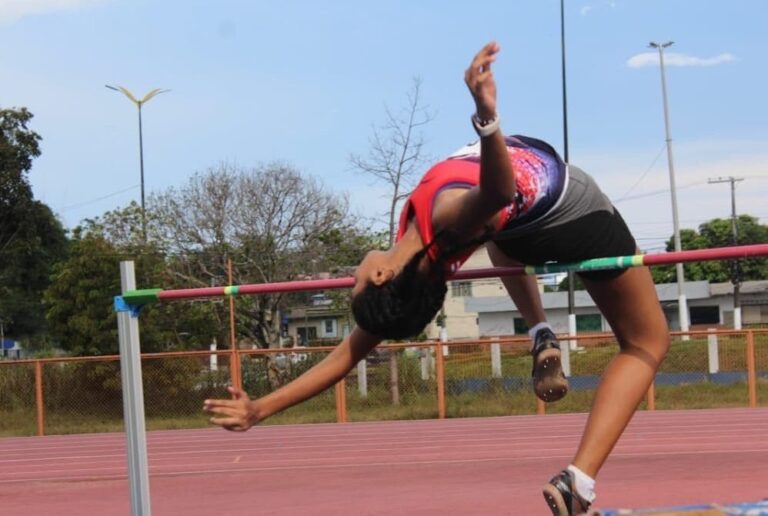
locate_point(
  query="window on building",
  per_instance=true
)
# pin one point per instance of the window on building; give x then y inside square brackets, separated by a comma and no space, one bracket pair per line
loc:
[589,322]
[306,334]
[520,327]
[329,326]
[461,289]
[704,314]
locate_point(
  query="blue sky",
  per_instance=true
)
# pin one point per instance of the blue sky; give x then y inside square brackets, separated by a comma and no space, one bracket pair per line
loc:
[304,82]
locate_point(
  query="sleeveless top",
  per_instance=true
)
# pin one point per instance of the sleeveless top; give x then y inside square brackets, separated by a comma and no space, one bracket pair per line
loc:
[540,179]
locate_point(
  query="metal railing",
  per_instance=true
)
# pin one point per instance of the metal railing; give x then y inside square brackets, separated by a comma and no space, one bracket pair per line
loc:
[709,369]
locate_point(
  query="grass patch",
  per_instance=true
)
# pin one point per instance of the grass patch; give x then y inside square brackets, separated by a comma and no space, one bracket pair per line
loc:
[701,395]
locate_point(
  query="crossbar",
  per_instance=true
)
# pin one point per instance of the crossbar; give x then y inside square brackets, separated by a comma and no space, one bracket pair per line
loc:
[144,296]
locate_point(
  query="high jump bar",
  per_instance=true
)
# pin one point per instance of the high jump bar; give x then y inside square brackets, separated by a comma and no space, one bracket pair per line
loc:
[145,296]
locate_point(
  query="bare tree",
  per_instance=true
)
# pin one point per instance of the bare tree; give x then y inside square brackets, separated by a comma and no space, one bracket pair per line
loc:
[270,221]
[396,157]
[396,153]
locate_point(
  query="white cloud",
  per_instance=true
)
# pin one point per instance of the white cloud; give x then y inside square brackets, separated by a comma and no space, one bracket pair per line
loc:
[674,59]
[589,7]
[14,10]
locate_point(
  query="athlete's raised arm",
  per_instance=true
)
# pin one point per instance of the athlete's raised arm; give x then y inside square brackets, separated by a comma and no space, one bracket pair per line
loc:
[470,212]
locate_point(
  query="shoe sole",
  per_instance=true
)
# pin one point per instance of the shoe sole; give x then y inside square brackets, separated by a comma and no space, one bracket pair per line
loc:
[549,383]
[555,500]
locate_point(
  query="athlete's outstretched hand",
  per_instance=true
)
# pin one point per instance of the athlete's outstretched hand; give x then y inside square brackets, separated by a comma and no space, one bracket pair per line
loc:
[238,414]
[479,79]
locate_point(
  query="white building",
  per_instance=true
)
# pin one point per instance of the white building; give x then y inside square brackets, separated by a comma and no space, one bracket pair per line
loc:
[10,349]
[461,320]
[709,305]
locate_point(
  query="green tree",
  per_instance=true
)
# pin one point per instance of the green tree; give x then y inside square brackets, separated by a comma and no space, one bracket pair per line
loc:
[80,314]
[79,300]
[718,233]
[31,238]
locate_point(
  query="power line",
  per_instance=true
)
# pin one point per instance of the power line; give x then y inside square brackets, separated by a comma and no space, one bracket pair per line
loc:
[658,192]
[86,203]
[644,174]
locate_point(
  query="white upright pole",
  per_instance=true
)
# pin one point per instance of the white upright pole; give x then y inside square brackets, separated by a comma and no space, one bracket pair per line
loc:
[214,359]
[712,351]
[362,378]
[444,339]
[133,399]
[565,356]
[682,302]
[573,343]
[496,360]
[425,359]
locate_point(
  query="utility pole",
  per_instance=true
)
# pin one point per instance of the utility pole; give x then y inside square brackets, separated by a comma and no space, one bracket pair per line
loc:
[735,264]
[682,302]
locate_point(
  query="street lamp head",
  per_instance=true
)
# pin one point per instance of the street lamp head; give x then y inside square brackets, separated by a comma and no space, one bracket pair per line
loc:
[653,44]
[125,92]
[132,98]
[156,91]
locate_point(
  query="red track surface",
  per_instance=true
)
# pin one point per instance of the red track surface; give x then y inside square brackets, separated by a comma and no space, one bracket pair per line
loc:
[453,467]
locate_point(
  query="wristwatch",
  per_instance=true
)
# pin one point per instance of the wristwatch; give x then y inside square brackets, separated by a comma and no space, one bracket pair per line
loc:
[485,127]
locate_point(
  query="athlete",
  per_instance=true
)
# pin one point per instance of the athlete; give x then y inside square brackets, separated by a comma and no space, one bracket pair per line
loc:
[517,197]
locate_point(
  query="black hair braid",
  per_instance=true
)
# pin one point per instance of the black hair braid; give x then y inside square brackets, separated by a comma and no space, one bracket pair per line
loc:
[403,306]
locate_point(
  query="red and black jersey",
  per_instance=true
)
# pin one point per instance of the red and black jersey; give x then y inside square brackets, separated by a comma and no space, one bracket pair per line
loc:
[540,179]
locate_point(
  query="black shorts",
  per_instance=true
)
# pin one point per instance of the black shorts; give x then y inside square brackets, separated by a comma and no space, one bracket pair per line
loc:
[598,234]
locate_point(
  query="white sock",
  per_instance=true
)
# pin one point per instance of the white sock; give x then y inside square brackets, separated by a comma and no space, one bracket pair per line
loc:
[533,331]
[585,485]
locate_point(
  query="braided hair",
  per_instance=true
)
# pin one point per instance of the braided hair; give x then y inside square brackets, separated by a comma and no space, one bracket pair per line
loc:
[403,306]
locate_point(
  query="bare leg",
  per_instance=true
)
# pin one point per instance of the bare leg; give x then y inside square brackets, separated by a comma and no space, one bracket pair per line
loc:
[524,290]
[631,306]
[549,382]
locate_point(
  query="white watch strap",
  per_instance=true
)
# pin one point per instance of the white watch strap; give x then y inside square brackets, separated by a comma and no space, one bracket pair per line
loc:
[485,127]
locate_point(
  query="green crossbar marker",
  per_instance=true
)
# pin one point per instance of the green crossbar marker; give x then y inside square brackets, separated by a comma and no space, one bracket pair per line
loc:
[142,296]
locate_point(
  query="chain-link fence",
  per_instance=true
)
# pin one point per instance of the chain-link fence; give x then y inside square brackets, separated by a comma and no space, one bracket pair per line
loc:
[403,381]
[393,383]
[586,357]
[703,370]
[266,370]
[488,379]
[17,399]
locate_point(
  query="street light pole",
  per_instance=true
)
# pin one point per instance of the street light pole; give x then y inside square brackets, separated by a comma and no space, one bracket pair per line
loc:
[682,302]
[566,157]
[735,265]
[139,104]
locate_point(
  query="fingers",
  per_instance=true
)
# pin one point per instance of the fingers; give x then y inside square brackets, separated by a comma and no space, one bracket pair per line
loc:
[229,414]
[479,70]
[229,423]
[237,394]
[480,80]
[232,414]
[213,405]
[481,64]
[225,411]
